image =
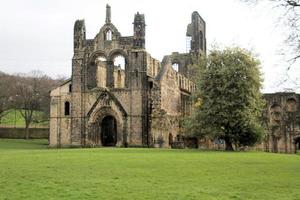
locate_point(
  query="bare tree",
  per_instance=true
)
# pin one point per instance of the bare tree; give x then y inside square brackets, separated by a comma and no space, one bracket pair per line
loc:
[5,94]
[27,93]
[27,99]
[289,17]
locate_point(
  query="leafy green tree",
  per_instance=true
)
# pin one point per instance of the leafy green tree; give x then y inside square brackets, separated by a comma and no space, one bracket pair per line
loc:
[229,103]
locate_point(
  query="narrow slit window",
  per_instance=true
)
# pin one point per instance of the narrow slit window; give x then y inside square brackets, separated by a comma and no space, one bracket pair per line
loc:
[188,43]
[201,40]
[67,108]
[136,73]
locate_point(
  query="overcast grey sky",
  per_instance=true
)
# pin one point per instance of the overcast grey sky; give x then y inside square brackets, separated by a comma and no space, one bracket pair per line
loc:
[38,34]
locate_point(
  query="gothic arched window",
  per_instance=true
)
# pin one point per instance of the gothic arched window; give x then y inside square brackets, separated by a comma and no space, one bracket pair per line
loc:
[108,35]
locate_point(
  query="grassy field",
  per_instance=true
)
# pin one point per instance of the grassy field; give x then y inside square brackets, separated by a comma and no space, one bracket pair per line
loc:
[14,118]
[29,170]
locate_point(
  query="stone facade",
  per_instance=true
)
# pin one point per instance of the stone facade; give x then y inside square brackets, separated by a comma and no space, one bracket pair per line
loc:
[281,119]
[282,122]
[118,94]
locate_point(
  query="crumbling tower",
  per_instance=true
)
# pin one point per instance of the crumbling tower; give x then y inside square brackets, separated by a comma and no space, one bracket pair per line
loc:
[196,30]
[139,31]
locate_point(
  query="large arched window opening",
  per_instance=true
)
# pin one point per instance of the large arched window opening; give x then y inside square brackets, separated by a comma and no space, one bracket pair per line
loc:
[101,71]
[175,66]
[108,35]
[119,61]
[97,60]
[119,65]
[67,108]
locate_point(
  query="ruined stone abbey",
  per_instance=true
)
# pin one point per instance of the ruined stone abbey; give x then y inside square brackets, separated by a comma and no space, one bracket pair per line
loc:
[119,95]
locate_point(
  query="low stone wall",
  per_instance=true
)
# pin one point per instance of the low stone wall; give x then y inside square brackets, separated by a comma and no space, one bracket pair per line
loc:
[19,133]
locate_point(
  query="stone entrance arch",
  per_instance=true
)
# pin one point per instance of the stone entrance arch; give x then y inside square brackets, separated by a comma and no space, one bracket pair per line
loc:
[108,131]
[106,127]
[106,115]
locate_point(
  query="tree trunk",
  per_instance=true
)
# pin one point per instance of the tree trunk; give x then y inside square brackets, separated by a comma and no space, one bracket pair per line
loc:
[27,132]
[228,144]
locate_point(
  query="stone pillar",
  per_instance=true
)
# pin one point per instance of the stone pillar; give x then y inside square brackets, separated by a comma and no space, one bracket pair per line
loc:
[77,114]
[108,14]
[78,84]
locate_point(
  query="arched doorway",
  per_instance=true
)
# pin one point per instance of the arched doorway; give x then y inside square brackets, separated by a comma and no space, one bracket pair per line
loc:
[170,139]
[109,131]
[297,144]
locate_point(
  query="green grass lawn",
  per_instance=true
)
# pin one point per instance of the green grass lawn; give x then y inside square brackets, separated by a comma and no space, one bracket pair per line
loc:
[29,170]
[14,118]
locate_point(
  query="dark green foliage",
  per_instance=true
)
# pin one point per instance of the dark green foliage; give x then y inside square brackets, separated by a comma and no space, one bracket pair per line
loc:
[250,135]
[229,103]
